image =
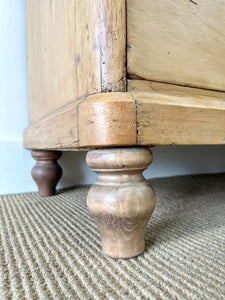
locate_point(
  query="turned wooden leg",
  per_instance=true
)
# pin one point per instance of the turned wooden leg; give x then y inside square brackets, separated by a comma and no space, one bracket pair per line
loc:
[121,201]
[46,173]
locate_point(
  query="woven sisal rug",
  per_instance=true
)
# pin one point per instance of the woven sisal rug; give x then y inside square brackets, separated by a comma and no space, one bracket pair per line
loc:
[50,247]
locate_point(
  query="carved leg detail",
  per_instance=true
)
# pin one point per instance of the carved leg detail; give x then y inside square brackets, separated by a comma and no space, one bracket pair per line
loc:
[46,173]
[121,201]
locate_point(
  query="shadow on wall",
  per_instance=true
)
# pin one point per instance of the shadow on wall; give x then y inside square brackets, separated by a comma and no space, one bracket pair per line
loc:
[75,169]
[185,160]
[167,161]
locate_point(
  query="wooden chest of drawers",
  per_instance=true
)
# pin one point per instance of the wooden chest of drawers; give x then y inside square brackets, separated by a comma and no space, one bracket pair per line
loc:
[117,77]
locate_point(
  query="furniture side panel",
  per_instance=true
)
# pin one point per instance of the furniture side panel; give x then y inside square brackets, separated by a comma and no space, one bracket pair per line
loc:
[63,63]
[75,48]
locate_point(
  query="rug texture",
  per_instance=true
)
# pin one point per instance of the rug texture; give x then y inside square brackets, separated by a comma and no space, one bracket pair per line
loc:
[50,247]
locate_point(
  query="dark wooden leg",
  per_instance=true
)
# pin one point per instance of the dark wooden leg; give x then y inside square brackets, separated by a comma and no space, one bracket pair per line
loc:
[46,173]
[121,201]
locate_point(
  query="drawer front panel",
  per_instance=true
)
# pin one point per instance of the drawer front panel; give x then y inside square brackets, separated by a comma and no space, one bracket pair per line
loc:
[177,41]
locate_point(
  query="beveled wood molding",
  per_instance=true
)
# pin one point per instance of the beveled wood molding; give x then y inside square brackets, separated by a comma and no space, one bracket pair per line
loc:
[107,120]
[100,120]
[168,119]
[59,130]
[147,86]
[133,118]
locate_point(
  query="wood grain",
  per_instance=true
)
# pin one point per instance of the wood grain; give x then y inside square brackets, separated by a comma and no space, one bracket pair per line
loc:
[58,130]
[106,120]
[147,86]
[100,120]
[60,41]
[74,49]
[172,120]
[46,173]
[121,201]
[175,117]
[178,41]
[112,41]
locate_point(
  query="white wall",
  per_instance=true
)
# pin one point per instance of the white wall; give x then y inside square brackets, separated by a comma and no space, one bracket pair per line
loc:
[16,162]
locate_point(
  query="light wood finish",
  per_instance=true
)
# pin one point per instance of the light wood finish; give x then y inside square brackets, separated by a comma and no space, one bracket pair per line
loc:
[121,201]
[147,86]
[177,41]
[74,48]
[99,120]
[107,120]
[79,98]
[173,117]
[59,46]
[111,18]
[172,120]
[58,130]
[46,173]
[77,48]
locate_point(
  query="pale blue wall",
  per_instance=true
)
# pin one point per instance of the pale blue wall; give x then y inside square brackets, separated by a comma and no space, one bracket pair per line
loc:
[16,163]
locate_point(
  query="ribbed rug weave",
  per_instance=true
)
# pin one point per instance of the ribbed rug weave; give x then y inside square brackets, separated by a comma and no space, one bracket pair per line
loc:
[50,247]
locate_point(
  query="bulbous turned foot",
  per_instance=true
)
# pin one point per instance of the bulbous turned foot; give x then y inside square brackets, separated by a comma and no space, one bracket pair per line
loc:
[46,173]
[121,201]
